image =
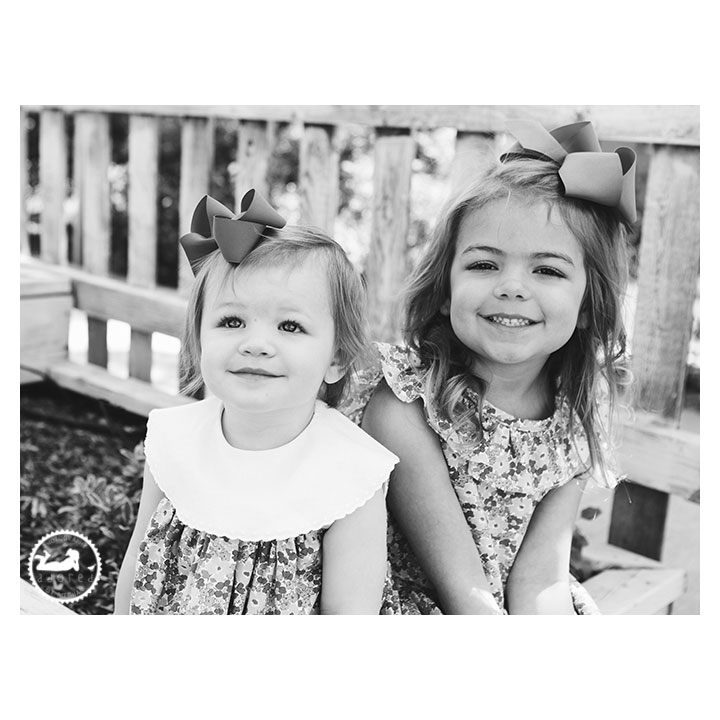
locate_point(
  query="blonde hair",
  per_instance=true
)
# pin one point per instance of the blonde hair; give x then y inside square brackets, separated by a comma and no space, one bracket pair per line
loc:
[590,363]
[288,246]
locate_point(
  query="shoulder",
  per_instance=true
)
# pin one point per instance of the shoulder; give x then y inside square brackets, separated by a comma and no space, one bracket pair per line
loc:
[402,370]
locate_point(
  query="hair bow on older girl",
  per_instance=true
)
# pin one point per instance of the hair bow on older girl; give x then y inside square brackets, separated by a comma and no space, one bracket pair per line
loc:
[586,171]
[214,226]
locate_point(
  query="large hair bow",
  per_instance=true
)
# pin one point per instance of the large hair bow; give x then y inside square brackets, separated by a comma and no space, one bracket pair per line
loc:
[586,171]
[214,226]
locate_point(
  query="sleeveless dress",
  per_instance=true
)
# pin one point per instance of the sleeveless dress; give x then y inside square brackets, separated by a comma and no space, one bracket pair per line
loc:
[240,531]
[499,479]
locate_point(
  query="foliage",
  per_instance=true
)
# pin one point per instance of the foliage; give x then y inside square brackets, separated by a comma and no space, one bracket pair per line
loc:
[82,475]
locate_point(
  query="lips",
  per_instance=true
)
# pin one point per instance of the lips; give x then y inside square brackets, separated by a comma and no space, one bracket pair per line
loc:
[257,372]
[510,321]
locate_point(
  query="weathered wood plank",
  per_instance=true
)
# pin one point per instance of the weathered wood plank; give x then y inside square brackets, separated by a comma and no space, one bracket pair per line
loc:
[33,602]
[143,144]
[131,394]
[386,267]
[195,165]
[143,141]
[53,181]
[319,177]
[667,280]
[473,153]
[636,591]
[668,124]
[93,160]
[24,183]
[255,141]
[661,457]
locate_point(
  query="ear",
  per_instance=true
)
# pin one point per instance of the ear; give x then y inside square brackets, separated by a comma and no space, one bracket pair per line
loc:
[583,320]
[445,308]
[335,372]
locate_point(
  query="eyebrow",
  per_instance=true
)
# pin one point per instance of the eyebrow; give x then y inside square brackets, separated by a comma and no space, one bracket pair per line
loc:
[236,305]
[535,256]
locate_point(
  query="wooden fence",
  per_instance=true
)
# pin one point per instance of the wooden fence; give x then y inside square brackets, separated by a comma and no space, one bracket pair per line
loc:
[655,453]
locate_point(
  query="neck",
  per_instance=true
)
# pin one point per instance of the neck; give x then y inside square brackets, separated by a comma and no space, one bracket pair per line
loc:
[516,391]
[264,431]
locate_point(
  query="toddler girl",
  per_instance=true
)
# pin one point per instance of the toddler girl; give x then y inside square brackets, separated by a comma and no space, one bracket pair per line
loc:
[261,498]
[514,340]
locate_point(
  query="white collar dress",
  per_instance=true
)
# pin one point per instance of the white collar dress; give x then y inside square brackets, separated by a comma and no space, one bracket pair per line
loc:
[240,531]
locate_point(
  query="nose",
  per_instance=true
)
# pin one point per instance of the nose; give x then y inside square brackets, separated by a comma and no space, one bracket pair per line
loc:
[255,342]
[510,285]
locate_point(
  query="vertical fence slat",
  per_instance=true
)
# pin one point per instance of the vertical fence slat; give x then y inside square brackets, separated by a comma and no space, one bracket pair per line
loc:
[319,177]
[24,183]
[92,162]
[387,259]
[473,153]
[143,146]
[667,281]
[195,165]
[53,172]
[255,141]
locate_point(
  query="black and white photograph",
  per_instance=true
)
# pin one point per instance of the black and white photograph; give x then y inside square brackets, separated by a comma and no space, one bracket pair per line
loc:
[356,359]
[408,335]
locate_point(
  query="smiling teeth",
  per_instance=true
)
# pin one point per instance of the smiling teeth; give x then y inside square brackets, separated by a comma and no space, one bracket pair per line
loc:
[509,322]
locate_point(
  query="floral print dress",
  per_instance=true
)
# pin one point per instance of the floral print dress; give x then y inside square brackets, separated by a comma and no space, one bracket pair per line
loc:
[240,532]
[498,480]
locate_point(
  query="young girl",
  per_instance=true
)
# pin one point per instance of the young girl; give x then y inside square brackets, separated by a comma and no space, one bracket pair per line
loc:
[513,332]
[261,498]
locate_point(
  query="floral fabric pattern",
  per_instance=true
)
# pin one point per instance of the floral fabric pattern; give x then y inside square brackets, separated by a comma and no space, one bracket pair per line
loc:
[183,571]
[499,479]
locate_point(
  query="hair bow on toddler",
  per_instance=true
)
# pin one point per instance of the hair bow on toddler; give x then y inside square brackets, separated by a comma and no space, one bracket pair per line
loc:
[586,171]
[214,226]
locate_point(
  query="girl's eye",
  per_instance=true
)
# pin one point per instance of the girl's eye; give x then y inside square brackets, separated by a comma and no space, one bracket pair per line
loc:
[291,326]
[550,271]
[482,265]
[231,322]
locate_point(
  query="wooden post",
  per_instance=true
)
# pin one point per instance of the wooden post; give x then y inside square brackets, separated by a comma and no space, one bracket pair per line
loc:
[255,140]
[196,163]
[92,161]
[24,183]
[387,259]
[319,177]
[474,152]
[53,177]
[143,144]
[667,282]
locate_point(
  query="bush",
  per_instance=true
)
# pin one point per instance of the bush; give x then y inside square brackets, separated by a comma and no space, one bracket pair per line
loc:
[81,469]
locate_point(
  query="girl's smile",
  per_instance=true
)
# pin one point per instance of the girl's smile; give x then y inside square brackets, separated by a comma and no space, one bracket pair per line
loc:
[517,282]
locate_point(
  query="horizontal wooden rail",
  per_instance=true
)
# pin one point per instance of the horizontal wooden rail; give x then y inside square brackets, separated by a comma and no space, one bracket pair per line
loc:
[148,309]
[661,457]
[659,124]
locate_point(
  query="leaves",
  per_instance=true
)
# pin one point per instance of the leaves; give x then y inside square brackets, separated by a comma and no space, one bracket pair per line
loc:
[78,479]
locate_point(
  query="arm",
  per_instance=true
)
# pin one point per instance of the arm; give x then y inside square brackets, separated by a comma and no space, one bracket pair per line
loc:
[354,561]
[426,508]
[149,499]
[538,583]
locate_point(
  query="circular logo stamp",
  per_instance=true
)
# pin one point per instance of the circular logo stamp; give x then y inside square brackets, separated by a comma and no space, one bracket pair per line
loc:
[65,565]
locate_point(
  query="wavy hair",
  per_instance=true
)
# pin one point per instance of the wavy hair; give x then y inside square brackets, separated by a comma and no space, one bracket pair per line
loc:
[286,247]
[590,364]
